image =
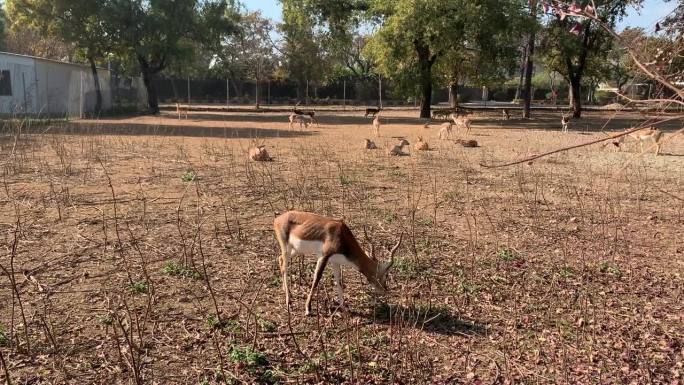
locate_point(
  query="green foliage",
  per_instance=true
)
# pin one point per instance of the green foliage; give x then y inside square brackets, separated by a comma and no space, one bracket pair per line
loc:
[610,268]
[605,97]
[3,27]
[4,340]
[346,180]
[248,53]
[266,325]
[105,319]
[230,325]
[189,176]
[139,287]
[582,55]
[508,255]
[305,57]
[178,270]
[248,356]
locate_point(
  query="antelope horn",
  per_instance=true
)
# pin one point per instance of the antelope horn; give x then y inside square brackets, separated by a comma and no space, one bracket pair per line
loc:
[394,250]
[370,243]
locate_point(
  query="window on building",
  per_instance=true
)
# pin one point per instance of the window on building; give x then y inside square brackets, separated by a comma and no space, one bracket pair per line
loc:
[5,83]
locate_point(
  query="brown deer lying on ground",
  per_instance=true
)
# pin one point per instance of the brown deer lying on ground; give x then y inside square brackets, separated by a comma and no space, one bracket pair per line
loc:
[369,145]
[258,153]
[421,145]
[398,150]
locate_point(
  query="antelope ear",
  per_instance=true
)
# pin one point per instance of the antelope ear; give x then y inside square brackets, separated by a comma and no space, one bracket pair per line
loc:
[384,268]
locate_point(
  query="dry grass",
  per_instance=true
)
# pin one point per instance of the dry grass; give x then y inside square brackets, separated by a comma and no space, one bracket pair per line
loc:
[150,258]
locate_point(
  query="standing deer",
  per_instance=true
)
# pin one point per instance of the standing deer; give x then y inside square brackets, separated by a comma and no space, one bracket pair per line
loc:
[461,121]
[445,131]
[304,120]
[649,134]
[565,121]
[331,241]
[376,125]
[182,110]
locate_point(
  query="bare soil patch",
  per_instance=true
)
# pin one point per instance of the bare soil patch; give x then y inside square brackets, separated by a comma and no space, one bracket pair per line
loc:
[124,237]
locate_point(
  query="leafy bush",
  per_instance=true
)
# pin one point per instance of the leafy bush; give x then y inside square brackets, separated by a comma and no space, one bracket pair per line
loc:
[178,270]
[605,97]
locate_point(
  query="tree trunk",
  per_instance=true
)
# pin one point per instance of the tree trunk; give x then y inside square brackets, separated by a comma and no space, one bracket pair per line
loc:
[523,63]
[148,79]
[453,91]
[98,89]
[426,91]
[529,64]
[575,96]
[175,90]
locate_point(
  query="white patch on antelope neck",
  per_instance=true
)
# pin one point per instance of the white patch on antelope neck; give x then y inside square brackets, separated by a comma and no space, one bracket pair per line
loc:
[305,247]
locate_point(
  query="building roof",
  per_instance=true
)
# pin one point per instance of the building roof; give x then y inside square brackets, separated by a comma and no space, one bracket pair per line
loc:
[49,60]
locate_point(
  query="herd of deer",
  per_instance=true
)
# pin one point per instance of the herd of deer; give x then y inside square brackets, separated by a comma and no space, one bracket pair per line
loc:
[332,241]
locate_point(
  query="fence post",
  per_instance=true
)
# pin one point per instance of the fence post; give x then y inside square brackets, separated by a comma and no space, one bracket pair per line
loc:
[380,89]
[307,91]
[227,93]
[344,94]
[188,91]
[80,113]
[269,91]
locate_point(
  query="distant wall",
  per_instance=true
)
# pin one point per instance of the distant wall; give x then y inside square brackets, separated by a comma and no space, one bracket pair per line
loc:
[50,88]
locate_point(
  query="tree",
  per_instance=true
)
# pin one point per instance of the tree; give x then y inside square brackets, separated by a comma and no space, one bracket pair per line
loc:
[578,47]
[79,22]
[247,54]
[620,64]
[3,28]
[18,36]
[529,60]
[305,58]
[415,35]
[158,33]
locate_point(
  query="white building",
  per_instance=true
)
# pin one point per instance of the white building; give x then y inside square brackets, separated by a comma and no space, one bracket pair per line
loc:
[37,86]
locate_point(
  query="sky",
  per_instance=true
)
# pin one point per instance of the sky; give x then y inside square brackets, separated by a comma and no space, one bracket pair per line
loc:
[651,12]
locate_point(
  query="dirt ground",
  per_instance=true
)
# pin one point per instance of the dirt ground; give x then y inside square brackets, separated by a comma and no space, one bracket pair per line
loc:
[140,251]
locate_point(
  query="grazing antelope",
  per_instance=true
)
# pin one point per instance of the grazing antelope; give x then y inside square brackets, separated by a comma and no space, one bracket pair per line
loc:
[442,114]
[421,145]
[303,120]
[332,241]
[445,131]
[311,114]
[370,145]
[376,125]
[565,121]
[398,150]
[372,111]
[461,121]
[506,114]
[649,134]
[258,153]
[182,109]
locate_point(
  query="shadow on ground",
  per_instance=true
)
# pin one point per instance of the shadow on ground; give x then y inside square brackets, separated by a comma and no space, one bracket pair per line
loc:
[427,318]
[142,129]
